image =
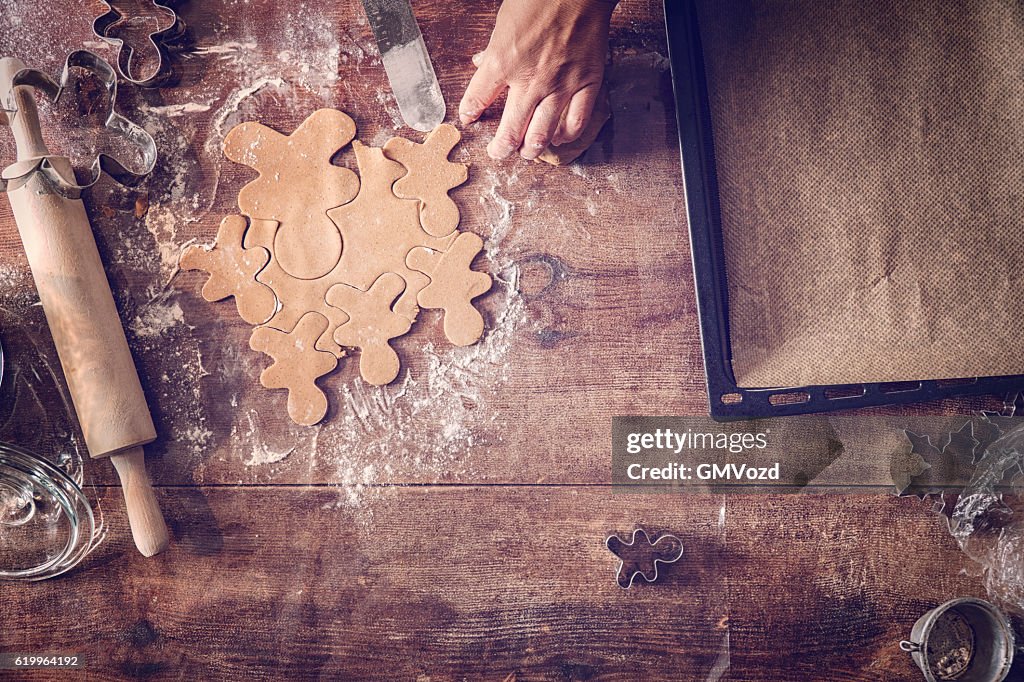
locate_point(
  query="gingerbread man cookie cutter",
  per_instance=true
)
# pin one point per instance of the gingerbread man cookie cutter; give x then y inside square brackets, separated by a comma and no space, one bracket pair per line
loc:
[133,134]
[641,556]
[168,32]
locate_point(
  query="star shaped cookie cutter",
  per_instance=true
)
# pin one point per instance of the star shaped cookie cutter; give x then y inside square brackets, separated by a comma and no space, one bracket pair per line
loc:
[160,39]
[132,133]
[642,558]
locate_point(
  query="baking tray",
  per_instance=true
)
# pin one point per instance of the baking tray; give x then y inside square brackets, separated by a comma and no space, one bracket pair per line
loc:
[726,400]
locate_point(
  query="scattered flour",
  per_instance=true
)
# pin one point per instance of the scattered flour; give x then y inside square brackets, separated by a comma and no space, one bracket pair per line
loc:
[162,223]
[230,107]
[499,213]
[173,110]
[12,278]
[387,102]
[156,318]
[579,169]
[227,48]
[260,451]
[418,428]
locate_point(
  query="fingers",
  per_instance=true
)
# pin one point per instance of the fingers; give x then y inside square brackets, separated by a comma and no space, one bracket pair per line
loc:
[519,108]
[576,115]
[531,121]
[559,137]
[484,88]
[542,126]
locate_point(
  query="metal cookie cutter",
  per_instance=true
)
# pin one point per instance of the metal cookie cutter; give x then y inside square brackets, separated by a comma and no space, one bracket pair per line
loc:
[134,134]
[641,558]
[167,33]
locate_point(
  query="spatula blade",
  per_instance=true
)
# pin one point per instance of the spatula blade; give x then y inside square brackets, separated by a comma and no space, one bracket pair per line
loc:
[407,63]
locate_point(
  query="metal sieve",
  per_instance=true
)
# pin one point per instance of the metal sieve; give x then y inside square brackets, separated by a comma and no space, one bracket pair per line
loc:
[968,640]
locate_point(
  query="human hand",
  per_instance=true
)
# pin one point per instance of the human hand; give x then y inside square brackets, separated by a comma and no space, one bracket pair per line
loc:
[550,54]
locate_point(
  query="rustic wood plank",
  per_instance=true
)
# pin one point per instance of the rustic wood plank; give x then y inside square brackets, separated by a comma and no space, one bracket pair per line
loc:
[601,320]
[423,581]
[869,566]
[293,583]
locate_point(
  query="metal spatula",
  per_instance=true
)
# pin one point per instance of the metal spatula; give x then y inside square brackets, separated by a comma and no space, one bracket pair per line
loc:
[406,62]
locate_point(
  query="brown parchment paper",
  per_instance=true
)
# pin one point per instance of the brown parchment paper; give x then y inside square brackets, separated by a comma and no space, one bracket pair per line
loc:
[871,170]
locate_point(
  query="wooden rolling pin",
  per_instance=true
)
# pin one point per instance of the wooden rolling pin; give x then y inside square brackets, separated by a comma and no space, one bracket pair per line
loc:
[83,319]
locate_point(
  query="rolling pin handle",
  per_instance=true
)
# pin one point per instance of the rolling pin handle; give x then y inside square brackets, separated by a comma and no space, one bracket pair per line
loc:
[147,522]
[21,113]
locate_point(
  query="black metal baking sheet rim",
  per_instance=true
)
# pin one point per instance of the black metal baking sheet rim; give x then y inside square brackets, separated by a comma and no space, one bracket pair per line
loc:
[726,400]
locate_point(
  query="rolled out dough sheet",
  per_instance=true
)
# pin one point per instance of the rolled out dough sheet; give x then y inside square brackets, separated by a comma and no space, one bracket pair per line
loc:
[870,161]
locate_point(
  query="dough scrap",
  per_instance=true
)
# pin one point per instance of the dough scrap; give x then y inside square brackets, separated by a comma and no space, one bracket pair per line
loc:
[297,366]
[371,325]
[297,185]
[327,260]
[431,176]
[453,286]
[233,269]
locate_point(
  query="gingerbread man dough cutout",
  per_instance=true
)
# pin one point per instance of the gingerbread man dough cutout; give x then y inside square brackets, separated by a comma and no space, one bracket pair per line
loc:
[379,229]
[453,286]
[371,325]
[431,176]
[296,186]
[233,269]
[297,366]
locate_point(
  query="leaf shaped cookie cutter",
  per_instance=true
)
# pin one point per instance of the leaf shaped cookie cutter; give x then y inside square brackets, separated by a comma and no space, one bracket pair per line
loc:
[159,39]
[134,134]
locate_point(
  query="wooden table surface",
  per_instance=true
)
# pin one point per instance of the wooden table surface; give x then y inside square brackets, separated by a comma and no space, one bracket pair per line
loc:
[451,525]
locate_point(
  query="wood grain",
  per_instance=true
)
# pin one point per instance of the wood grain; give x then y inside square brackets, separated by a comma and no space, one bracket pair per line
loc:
[285,583]
[502,571]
